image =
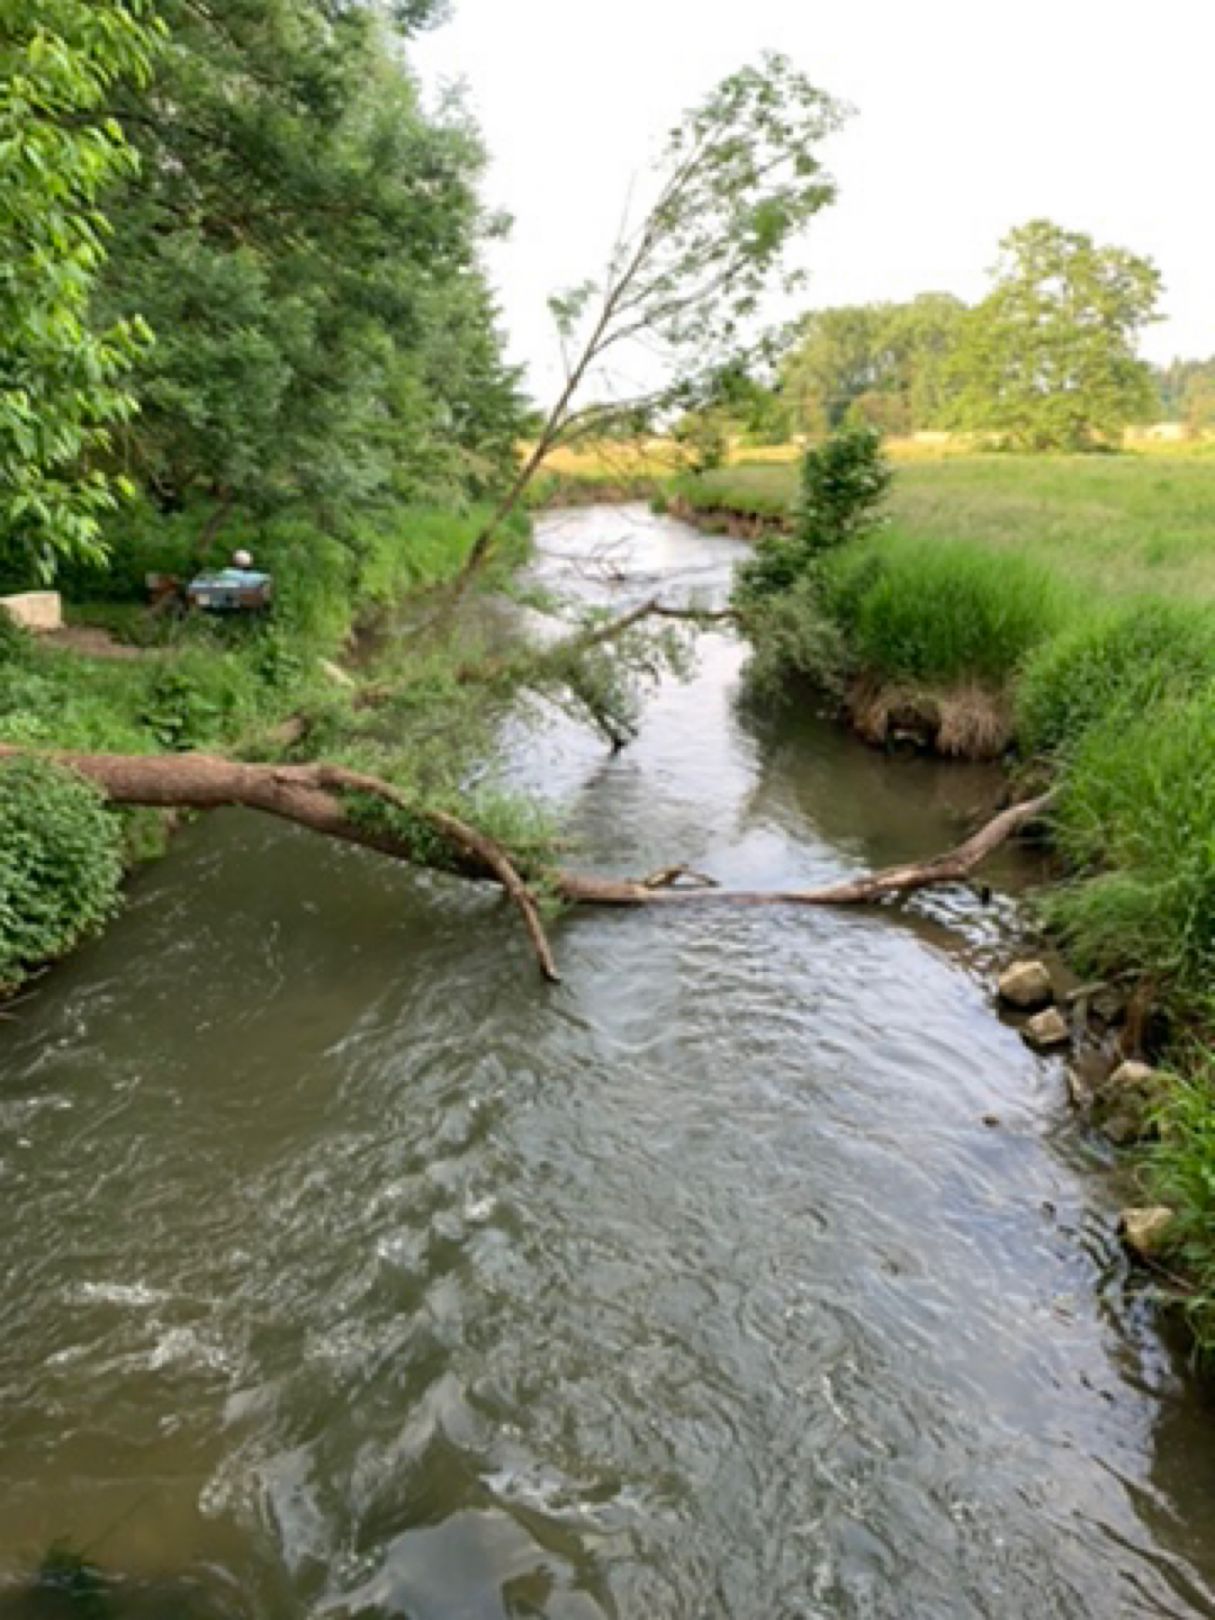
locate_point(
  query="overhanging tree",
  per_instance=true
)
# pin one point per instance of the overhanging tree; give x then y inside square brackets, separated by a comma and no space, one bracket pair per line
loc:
[737,181]
[304,238]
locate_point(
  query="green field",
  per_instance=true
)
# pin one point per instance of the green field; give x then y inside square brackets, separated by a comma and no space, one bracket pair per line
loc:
[1125,524]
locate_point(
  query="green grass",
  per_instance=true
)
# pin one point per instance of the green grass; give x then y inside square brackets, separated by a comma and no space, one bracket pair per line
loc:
[1118,524]
[942,612]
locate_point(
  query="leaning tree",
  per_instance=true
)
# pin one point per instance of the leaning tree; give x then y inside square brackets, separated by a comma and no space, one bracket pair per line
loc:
[736,182]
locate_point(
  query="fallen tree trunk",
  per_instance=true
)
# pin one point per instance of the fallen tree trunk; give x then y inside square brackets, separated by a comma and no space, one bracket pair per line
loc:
[319,797]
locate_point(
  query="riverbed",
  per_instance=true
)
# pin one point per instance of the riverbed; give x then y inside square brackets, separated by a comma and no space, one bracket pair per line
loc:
[756,1272]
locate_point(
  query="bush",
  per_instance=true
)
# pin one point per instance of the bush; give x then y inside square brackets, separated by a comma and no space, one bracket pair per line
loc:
[915,610]
[844,481]
[1124,660]
[60,864]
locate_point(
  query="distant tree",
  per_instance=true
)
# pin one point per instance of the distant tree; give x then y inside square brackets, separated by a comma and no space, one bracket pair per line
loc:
[838,357]
[1198,399]
[62,377]
[737,181]
[1048,360]
[704,439]
[882,364]
[1187,393]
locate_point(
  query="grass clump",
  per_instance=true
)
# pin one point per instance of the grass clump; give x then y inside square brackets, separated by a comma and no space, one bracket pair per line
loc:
[1180,1173]
[1120,660]
[60,864]
[912,610]
[1136,822]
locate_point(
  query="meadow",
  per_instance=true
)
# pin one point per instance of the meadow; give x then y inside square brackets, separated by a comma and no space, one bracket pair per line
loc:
[1126,524]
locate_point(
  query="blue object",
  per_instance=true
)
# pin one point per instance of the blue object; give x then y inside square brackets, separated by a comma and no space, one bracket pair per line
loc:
[231,590]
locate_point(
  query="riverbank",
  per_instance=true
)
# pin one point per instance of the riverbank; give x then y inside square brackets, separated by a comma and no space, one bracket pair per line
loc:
[1059,611]
[253,689]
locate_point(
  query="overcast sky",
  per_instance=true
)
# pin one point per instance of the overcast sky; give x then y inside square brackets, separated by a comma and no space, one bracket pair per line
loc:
[971,116]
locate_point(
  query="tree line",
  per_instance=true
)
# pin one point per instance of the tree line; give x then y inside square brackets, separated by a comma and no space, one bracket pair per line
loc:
[1047,360]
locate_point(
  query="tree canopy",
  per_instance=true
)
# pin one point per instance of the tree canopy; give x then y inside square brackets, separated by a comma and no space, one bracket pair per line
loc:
[64,377]
[882,365]
[1048,360]
[299,233]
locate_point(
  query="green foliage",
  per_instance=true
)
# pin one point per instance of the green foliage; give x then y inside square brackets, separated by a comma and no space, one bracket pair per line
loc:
[704,438]
[738,179]
[1187,393]
[844,482]
[876,365]
[304,237]
[942,613]
[1114,662]
[1137,817]
[1048,360]
[1180,1171]
[64,380]
[60,864]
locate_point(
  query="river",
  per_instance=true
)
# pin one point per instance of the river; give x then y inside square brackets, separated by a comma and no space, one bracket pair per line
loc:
[757,1272]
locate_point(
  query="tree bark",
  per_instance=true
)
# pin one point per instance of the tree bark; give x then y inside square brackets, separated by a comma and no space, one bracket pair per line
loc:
[316,797]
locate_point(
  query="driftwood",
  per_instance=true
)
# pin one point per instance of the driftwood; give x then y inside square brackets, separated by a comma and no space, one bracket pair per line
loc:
[318,797]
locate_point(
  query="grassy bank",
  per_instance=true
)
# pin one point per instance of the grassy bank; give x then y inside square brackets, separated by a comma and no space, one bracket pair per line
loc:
[1076,597]
[172,684]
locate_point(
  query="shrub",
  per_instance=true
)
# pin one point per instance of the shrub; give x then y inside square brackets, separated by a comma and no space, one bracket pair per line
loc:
[844,481]
[1123,660]
[15,643]
[60,864]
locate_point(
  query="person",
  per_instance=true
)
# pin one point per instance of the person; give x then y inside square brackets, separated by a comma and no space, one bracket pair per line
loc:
[242,561]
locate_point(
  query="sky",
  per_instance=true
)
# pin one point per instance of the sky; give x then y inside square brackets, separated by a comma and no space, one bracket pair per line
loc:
[971,117]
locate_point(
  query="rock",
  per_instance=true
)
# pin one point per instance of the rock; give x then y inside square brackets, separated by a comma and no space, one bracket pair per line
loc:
[1085,1077]
[1145,1231]
[1132,1076]
[1079,1090]
[1047,1030]
[1027,985]
[35,610]
[1125,1101]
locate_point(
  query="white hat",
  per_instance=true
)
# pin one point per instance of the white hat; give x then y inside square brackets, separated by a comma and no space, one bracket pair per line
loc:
[241,559]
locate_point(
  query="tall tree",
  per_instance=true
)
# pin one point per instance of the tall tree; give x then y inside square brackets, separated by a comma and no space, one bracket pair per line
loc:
[304,239]
[1049,360]
[736,182]
[62,377]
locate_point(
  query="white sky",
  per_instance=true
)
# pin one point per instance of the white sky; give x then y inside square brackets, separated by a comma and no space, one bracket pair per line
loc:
[971,116]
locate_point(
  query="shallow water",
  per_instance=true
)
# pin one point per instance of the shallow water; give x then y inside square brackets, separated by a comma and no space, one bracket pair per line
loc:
[352,1272]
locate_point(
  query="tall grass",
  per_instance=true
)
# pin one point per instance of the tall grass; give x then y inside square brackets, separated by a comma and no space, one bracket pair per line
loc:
[920,611]
[1119,525]
[1136,820]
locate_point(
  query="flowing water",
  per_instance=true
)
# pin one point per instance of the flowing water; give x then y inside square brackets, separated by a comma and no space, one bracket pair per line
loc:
[757,1272]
